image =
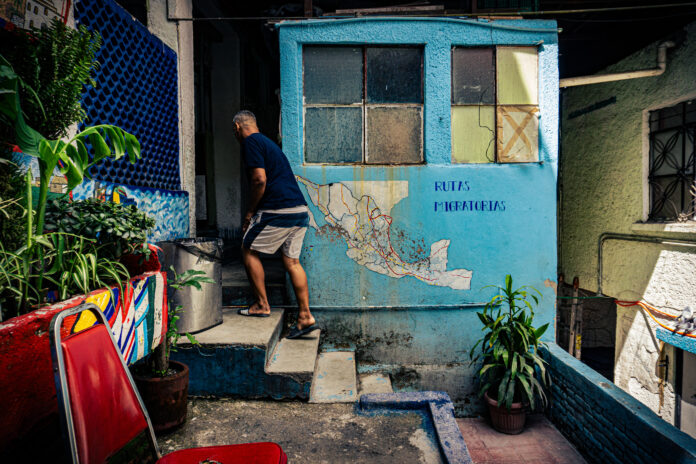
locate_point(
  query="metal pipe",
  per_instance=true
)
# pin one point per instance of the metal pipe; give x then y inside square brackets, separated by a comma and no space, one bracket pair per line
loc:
[632,238]
[596,79]
[378,308]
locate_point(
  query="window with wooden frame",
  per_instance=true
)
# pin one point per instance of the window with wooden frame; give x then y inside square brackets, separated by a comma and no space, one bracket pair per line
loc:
[672,174]
[495,105]
[363,104]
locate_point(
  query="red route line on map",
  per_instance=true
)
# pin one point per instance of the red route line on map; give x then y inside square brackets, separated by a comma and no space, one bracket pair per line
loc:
[389,220]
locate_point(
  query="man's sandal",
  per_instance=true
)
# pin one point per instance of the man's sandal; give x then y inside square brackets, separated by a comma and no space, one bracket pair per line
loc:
[245,312]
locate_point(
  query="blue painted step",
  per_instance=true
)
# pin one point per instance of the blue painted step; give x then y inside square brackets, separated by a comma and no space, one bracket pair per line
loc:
[242,357]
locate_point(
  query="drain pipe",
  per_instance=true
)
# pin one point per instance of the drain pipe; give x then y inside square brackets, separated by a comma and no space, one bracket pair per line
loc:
[596,79]
[632,238]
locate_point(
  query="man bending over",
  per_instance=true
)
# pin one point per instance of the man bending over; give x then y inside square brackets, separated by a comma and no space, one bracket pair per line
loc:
[277,217]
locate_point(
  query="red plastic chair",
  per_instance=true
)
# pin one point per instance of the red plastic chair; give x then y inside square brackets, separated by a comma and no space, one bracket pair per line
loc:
[102,415]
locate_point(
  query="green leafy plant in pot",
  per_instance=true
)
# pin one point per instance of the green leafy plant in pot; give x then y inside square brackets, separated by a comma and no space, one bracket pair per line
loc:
[163,383]
[512,375]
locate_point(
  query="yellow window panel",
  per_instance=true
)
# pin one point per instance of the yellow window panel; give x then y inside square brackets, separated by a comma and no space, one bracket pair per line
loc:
[518,134]
[473,134]
[518,75]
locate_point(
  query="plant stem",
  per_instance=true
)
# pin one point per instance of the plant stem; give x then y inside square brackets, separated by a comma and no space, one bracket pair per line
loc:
[26,258]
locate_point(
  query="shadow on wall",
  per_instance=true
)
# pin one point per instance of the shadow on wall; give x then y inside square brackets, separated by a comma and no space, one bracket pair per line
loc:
[663,276]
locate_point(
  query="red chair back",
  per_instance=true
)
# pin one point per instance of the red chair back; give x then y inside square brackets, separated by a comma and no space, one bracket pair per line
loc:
[102,414]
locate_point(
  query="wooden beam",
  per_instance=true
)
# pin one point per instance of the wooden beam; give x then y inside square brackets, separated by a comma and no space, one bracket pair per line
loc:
[393,10]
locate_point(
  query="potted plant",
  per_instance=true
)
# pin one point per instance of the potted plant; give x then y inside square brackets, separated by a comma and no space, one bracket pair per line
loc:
[512,374]
[163,383]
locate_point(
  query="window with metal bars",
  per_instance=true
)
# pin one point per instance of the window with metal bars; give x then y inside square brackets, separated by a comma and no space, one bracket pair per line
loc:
[363,104]
[672,174]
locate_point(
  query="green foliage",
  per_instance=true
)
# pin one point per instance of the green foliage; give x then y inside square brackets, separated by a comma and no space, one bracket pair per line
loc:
[56,62]
[41,83]
[509,350]
[159,364]
[11,208]
[67,263]
[115,228]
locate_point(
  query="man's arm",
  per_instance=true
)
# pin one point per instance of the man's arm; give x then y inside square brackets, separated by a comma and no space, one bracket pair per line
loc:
[257,183]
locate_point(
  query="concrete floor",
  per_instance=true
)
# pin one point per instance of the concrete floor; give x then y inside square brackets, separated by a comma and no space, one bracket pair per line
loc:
[540,443]
[308,433]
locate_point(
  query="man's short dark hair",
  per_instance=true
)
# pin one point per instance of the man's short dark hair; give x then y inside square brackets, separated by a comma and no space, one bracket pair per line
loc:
[245,118]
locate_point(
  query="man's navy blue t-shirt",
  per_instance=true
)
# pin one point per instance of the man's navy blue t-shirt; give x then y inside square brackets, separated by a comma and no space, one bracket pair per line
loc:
[282,190]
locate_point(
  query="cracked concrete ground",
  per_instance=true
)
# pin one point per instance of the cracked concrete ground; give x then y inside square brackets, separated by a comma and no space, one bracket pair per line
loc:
[308,433]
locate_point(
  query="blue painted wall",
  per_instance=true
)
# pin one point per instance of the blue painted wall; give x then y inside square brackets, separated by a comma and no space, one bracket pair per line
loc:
[520,240]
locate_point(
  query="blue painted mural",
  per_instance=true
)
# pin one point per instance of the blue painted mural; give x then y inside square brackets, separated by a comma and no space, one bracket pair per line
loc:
[424,228]
[169,208]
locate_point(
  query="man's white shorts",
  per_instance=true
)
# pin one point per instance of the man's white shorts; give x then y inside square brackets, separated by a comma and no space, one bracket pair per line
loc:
[271,229]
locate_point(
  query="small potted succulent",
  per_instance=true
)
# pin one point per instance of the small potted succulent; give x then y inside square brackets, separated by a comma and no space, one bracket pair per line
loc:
[512,374]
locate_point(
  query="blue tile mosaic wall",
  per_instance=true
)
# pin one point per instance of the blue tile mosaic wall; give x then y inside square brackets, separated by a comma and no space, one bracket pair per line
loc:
[136,90]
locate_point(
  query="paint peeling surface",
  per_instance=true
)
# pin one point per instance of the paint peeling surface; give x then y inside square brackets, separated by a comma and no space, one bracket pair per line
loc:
[366,228]
[435,230]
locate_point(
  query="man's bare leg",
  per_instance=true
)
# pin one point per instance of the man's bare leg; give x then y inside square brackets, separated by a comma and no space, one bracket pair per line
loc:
[299,283]
[257,278]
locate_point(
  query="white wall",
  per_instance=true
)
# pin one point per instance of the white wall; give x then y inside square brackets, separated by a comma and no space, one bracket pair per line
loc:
[604,189]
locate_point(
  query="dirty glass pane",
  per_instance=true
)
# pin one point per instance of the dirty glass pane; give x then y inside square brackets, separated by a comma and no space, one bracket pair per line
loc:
[666,117]
[394,135]
[473,134]
[473,76]
[394,75]
[518,81]
[333,135]
[518,134]
[333,74]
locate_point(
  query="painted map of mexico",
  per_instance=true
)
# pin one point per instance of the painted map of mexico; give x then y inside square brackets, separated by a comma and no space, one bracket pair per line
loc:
[364,222]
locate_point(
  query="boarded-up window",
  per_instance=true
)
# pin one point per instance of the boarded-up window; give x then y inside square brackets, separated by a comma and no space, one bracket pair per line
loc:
[495,98]
[363,105]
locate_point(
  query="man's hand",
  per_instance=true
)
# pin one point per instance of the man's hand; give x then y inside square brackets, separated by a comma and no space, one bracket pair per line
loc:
[247,220]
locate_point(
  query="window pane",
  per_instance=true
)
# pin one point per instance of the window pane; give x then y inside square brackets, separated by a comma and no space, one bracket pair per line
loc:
[473,76]
[333,135]
[394,135]
[394,75]
[518,82]
[665,195]
[690,116]
[666,153]
[473,134]
[518,134]
[333,75]
[666,118]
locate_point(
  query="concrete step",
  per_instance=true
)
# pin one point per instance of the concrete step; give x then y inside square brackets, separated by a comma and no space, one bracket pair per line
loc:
[232,358]
[334,378]
[375,383]
[243,331]
[295,358]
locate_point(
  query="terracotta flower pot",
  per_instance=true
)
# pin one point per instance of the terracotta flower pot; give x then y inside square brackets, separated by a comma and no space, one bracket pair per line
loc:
[166,398]
[504,421]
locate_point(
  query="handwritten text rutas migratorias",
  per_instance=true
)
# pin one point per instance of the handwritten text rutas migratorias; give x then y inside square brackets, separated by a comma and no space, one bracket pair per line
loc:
[464,205]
